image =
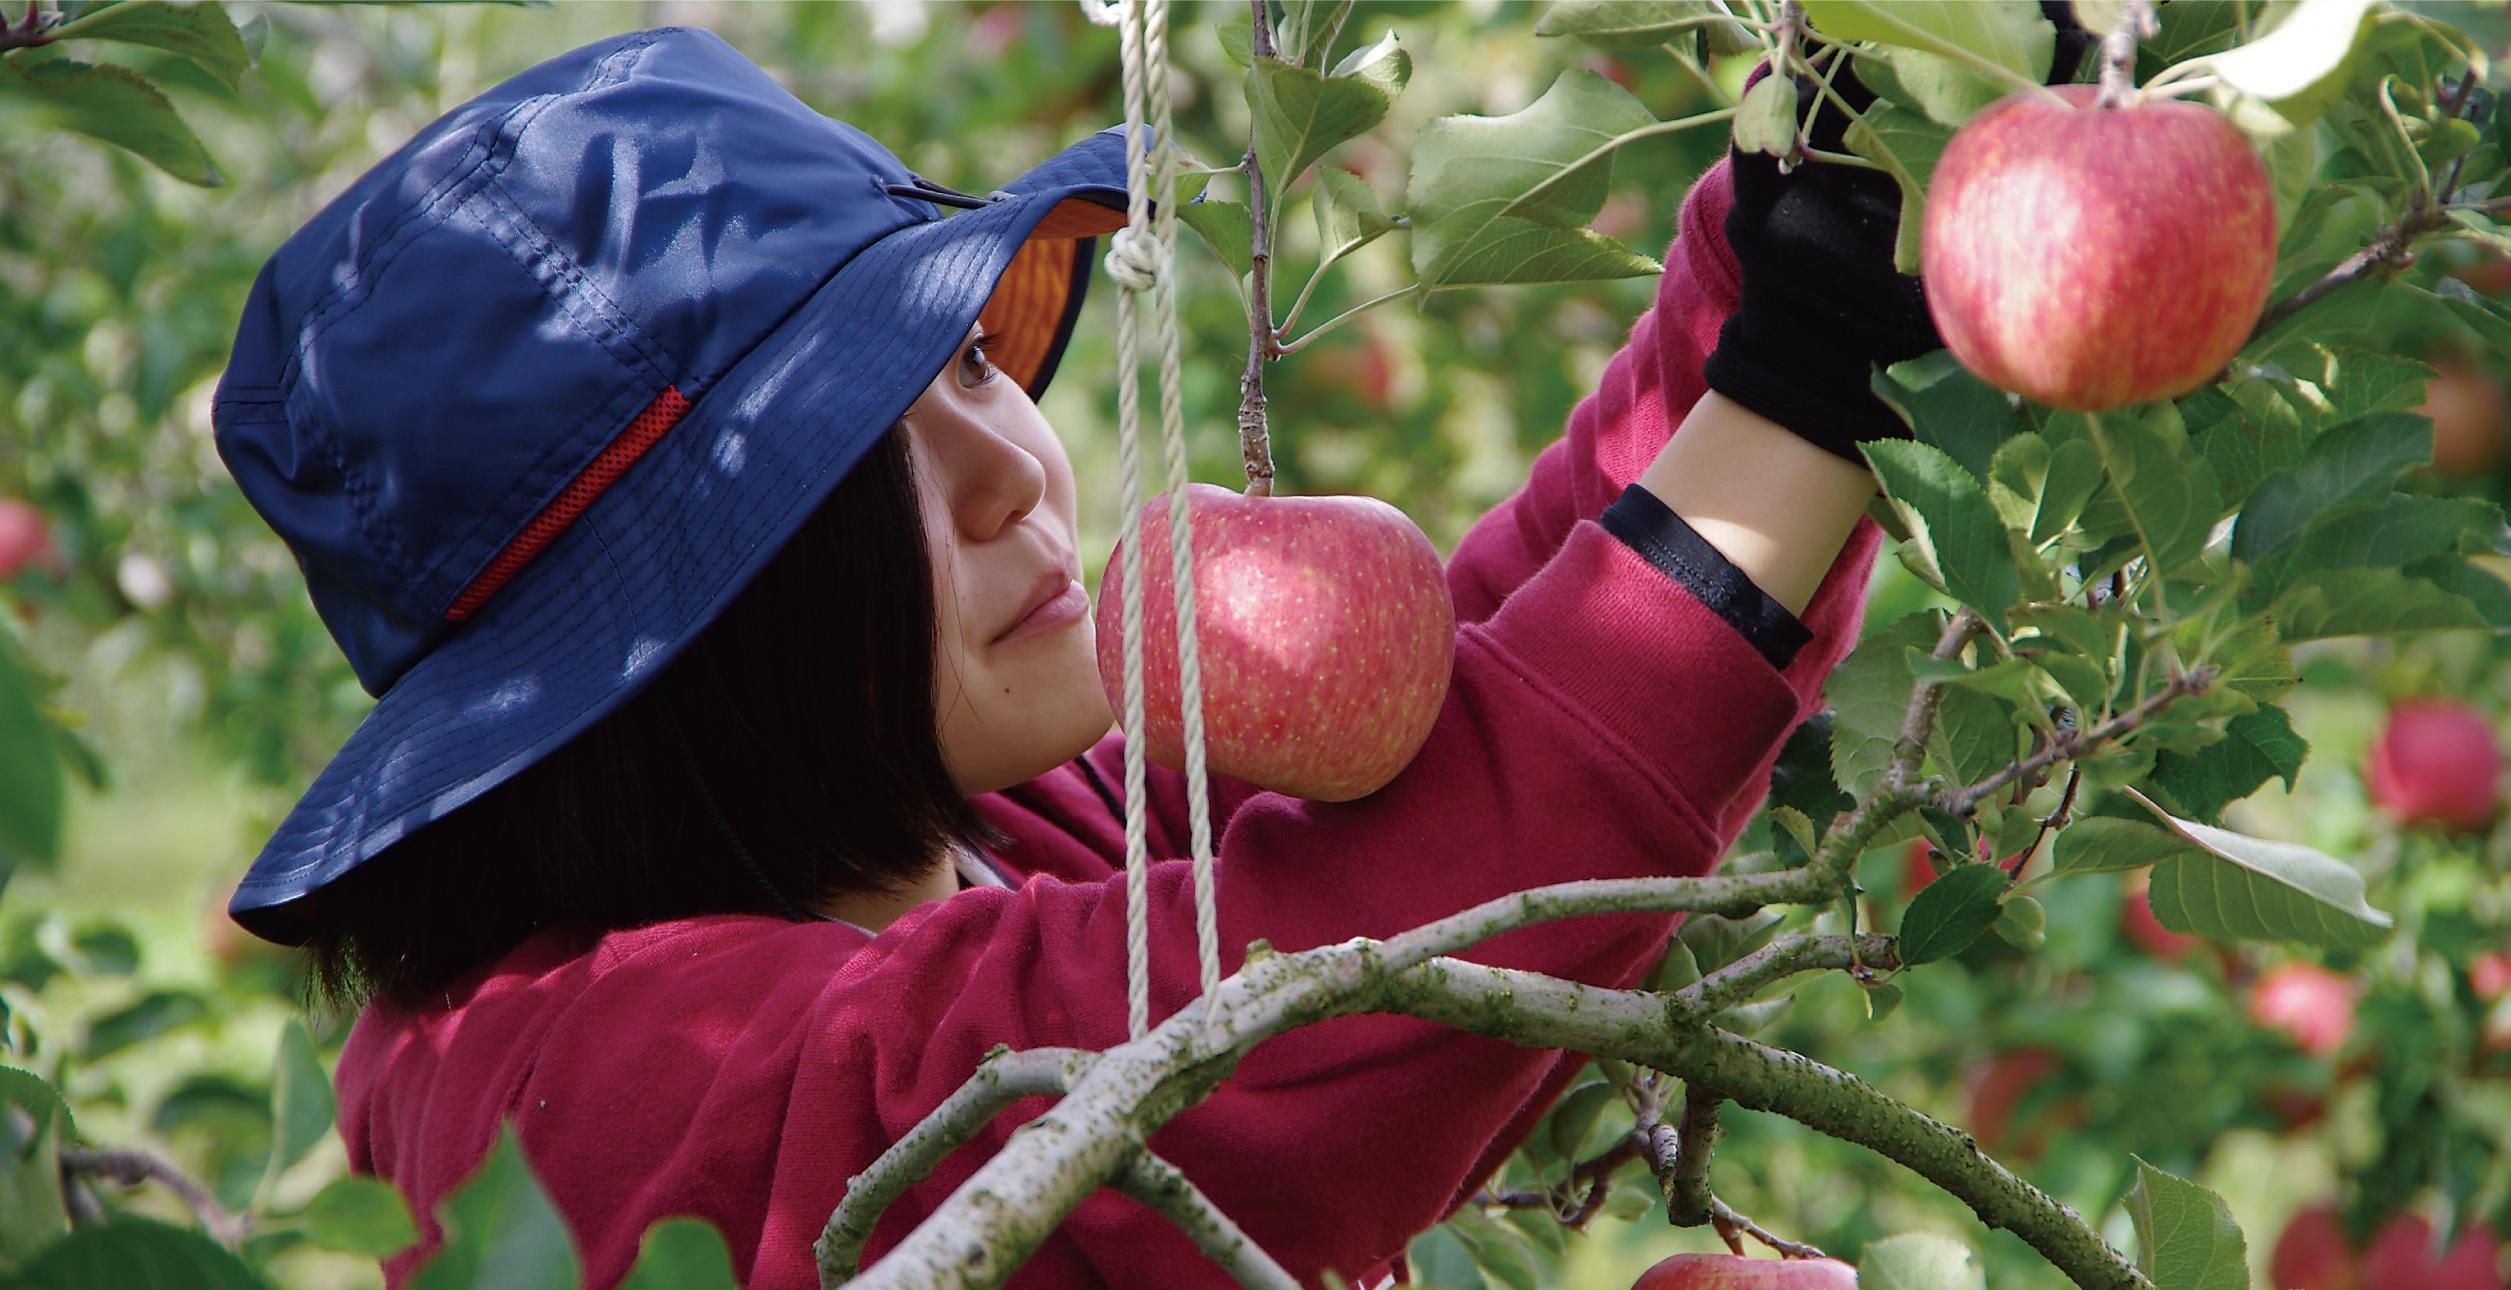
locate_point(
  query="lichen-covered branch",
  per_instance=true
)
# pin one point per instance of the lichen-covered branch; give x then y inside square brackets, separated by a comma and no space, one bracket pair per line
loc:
[1783,958]
[1686,1176]
[1160,1185]
[1004,1077]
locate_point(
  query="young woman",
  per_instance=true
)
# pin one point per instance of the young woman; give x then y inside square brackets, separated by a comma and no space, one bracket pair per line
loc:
[665,457]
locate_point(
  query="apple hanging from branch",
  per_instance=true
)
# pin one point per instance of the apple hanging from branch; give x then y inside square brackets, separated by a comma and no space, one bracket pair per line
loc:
[1733,1272]
[1327,637]
[2093,257]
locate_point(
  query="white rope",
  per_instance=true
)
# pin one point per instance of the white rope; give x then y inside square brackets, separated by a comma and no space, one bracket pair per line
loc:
[1140,258]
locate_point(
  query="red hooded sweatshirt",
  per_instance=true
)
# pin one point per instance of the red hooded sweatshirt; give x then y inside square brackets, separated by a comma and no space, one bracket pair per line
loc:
[1608,718]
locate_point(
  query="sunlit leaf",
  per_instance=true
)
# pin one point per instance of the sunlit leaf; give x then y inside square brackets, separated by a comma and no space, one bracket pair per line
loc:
[2185,1235]
[2236,887]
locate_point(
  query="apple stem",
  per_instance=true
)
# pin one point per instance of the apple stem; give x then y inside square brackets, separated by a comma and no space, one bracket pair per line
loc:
[1255,438]
[2118,53]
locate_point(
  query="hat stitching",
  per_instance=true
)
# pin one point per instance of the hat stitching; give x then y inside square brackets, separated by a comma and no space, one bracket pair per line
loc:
[491,147]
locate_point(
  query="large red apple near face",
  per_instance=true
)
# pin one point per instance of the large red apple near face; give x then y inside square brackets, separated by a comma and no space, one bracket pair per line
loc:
[2091,258]
[2436,761]
[2309,1003]
[2402,1257]
[1728,1272]
[1327,637]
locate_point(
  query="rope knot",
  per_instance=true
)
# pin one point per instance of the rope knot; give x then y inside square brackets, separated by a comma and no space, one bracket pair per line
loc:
[1136,259]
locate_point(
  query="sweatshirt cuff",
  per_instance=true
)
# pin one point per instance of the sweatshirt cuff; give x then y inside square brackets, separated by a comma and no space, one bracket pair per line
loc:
[1647,526]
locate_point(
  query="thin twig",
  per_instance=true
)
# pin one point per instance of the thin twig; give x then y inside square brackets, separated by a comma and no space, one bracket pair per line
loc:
[1160,1185]
[2118,52]
[1962,801]
[1728,1223]
[1255,440]
[130,1167]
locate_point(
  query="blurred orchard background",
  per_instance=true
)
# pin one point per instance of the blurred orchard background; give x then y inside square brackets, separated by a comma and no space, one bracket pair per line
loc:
[157,650]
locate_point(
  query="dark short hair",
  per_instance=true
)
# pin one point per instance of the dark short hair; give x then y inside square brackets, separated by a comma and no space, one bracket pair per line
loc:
[789,754]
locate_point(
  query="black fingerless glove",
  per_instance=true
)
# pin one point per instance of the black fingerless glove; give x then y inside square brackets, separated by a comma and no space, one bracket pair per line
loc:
[1822,305]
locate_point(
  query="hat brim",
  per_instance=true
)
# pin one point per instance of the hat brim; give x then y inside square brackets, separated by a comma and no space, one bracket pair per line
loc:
[601,611]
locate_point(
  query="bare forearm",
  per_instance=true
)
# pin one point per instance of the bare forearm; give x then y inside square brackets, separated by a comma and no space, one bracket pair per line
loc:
[1775,506]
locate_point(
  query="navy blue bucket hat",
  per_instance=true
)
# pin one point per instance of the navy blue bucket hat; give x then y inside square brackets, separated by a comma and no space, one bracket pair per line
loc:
[542,391]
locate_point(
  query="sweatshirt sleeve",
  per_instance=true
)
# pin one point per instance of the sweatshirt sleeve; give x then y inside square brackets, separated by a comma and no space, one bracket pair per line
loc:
[1604,721]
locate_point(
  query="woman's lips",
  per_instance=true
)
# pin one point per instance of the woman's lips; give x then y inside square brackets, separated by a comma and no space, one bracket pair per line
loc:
[1059,610]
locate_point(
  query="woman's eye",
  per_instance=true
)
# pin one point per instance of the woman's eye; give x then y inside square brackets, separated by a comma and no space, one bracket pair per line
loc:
[984,368]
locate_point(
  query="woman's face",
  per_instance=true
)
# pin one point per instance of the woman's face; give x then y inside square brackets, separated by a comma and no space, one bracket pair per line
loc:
[1015,673]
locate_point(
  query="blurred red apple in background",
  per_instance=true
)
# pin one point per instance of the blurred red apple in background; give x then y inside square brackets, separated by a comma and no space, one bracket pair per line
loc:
[2490,274]
[2308,1002]
[2490,975]
[2401,1257]
[1916,869]
[2146,932]
[1327,638]
[2436,761]
[1997,1089]
[2093,258]
[25,539]
[1367,368]
[2471,425]
[1728,1272]
[2313,1253]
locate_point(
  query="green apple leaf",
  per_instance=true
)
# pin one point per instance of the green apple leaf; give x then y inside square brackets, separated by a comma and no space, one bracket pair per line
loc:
[2300,65]
[2106,844]
[681,1254]
[2256,747]
[500,1229]
[1947,406]
[1306,27]
[1919,1261]
[301,1103]
[33,789]
[2185,1235]
[114,104]
[2478,585]
[1348,214]
[200,32]
[2039,491]
[1951,522]
[1237,42]
[149,1015]
[1906,144]
[2167,489]
[1976,735]
[360,1215]
[1869,696]
[1300,115]
[1765,122]
[2387,533]
[2351,462]
[2010,33]
[1506,199]
[1383,63]
[1626,24]
[127,1250]
[1951,913]
[1947,90]
[2369,602]
[1228,228]
[2232,886]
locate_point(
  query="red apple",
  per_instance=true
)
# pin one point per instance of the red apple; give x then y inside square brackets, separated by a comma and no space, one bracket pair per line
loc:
[2093,258]
[2401,1257]
[1728,1272]
[2310,1003]
[24,538]
[2313,1253]
[1997,1088]
[1367,369]
[1327,638]
[2146,932]
[2490,975]
[2436,761]
[2470,423]
[2490,274]
[1916,869]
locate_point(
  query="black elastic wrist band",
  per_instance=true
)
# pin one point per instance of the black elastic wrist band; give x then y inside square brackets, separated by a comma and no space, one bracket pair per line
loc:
[1647,526]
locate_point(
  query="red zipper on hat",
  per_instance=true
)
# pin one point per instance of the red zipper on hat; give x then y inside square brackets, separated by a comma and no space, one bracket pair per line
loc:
[659,416]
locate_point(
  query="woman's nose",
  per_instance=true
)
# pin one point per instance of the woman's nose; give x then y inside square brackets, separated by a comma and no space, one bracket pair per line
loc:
[1001,482]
